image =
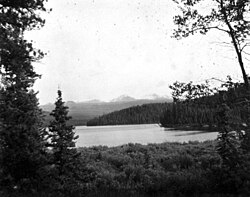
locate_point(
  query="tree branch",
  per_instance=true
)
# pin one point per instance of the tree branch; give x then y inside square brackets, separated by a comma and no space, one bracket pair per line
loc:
[245,45]
[247,59]
[245,53]
[216,27]
[208,28]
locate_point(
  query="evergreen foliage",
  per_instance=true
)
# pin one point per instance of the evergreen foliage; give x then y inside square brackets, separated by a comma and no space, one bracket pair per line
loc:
[233,125]
[194,105]
[65,173]
[22,150]
[180,114]
[228,144]
[167,114]
[62,137]
[173,169]
[141,114]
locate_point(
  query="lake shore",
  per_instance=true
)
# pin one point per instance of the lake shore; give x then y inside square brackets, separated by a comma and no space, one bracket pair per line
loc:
[208,128]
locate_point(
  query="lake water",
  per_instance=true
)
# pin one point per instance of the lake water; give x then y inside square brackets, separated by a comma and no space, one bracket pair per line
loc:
[143,134]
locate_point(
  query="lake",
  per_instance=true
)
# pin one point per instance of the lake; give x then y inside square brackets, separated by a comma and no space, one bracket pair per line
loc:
[143,134]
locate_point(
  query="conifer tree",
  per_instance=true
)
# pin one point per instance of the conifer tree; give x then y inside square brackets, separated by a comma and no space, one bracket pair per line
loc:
[62,137]
[21,134]
[228,145]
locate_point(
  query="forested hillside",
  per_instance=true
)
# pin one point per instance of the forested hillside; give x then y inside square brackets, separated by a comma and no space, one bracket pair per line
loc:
[141,114]
[77,119]
[205,111]
[180,114]
[167,114]
[81,112]
[198,112]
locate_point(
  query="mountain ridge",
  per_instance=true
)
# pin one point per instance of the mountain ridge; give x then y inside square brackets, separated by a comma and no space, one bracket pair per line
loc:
[81,112]
[123,98]
[119,99]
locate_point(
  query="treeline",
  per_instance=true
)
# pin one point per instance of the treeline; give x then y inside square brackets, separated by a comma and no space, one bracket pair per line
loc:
[167,114]
[40,161]
[188,111]
[143,114]
[76,120]
[186,114]
[193,110]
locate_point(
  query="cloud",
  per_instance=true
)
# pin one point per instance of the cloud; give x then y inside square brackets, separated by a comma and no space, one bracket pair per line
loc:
[102,48]
[161,84]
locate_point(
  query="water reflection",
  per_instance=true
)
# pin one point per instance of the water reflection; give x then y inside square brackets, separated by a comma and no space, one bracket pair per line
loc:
[191,133]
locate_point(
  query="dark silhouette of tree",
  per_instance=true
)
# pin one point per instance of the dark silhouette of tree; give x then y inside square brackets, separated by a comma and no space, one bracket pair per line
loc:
[62,137]
[228,145]
[21,134]
[228,16]
[232,119]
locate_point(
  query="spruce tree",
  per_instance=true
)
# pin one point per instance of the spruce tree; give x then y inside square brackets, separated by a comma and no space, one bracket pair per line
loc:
[21,134]
[62,138]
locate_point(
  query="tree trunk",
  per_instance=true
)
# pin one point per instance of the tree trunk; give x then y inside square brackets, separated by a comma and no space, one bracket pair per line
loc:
[238,52]
[239,55]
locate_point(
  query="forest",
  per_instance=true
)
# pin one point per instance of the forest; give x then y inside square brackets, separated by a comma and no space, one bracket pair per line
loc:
[183,114]
[141,114]
[200,113]
[43,161]
[167,114]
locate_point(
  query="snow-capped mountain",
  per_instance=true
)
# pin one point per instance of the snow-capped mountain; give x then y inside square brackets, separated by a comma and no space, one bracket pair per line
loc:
[123,98]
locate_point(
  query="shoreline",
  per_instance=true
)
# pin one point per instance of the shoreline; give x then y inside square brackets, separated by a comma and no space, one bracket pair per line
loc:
[207,128]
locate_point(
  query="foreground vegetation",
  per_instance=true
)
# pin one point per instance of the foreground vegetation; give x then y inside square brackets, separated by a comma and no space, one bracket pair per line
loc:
[167,169]
[36,161]
[172,169]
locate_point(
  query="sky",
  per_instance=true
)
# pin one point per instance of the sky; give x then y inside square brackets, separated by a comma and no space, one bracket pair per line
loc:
[101,49]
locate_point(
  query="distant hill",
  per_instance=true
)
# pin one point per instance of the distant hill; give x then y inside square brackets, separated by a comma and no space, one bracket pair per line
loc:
[81,112]
[141,114]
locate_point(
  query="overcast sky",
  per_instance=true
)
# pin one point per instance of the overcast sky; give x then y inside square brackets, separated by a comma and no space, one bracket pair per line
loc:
[101,49]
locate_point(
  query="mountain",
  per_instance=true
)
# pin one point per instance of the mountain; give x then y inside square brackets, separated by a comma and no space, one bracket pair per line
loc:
[81,112]
[123,98]
[94,101]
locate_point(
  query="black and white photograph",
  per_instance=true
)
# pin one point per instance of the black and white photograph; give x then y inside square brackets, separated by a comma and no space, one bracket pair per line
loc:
[124,98]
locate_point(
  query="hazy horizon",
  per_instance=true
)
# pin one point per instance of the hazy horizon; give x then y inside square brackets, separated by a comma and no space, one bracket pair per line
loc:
[101,49]
[120,98]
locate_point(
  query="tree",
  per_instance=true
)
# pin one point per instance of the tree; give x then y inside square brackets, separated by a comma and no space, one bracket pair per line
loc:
[62,137]
[232,119]
[228,145]
[228,16]
[21,134]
